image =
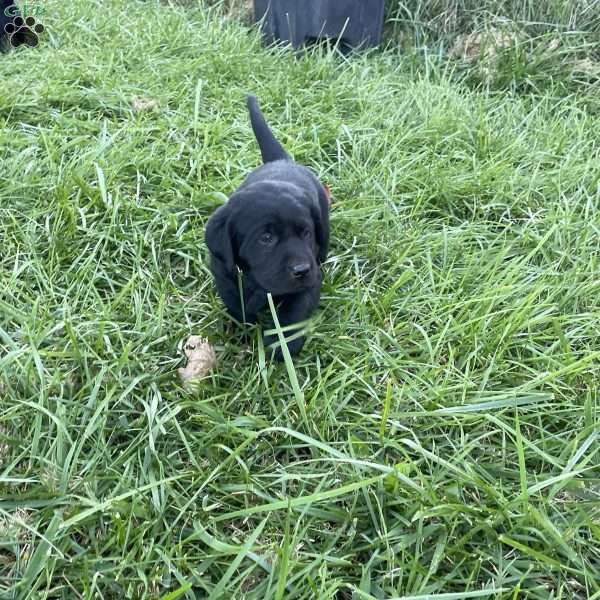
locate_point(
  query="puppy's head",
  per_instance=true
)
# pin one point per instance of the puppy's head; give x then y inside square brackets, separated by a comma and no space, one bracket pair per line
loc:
[272,232]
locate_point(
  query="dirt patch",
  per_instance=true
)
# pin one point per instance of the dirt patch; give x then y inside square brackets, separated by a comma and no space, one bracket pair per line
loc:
[11,527]
[482,46]
[587,66]
[142,104]
[483,50]
[4,448]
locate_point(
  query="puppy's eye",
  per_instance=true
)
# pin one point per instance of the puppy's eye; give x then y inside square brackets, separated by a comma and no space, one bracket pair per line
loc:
[306,233]
[267,239]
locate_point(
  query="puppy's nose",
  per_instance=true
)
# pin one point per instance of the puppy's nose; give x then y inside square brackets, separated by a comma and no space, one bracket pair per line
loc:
[301,270]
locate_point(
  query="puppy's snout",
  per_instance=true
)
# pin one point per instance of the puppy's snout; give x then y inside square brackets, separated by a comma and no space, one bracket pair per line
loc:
[300,270]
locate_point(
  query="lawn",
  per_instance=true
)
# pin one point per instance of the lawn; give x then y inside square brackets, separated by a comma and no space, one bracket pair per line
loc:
[439,435]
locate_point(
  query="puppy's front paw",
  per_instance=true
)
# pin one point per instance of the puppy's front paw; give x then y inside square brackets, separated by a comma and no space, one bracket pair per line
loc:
[294,346]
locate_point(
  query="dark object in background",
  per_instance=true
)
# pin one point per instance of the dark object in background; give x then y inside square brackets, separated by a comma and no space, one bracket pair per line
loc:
[356,23]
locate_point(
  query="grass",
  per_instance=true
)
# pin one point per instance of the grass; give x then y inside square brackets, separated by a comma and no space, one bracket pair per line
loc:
[441,18]
[449,442]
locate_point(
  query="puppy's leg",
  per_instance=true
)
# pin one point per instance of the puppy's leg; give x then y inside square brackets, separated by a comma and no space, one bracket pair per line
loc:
[293,309]
[254,300]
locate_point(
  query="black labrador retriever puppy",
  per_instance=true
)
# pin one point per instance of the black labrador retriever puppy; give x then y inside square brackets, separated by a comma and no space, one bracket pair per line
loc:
[271,236]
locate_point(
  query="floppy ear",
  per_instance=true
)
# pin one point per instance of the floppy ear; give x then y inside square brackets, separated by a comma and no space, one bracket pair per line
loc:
[218,237]
[320,215]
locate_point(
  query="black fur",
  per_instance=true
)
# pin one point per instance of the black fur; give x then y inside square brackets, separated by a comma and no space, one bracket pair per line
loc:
[275,230]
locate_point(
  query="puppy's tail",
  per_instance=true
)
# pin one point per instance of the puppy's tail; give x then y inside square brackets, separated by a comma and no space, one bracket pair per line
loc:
[270,148]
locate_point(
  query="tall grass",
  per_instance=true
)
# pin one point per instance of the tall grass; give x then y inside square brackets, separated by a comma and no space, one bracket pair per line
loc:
[446,18]
[438,436]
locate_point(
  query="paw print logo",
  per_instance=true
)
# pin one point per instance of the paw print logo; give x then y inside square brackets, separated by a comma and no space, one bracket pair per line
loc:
[24,31]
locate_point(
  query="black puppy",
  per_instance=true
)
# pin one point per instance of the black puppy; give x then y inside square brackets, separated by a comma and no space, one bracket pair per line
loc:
[272,235]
